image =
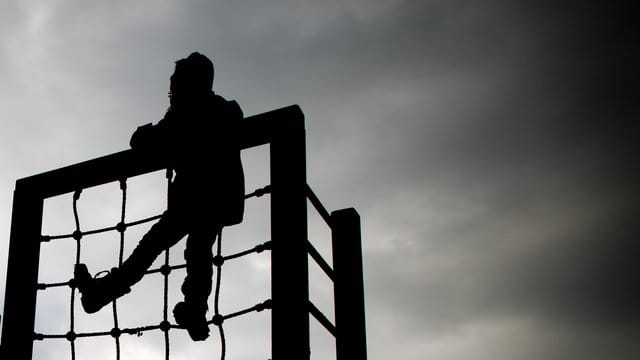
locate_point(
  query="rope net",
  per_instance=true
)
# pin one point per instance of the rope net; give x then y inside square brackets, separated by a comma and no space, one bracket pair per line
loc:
[165,325]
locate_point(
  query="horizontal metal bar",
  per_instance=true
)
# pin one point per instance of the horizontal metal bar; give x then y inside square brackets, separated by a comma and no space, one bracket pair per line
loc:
[256,130]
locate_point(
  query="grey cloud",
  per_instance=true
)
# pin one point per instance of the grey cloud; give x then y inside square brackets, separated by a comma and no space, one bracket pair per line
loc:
[487,146]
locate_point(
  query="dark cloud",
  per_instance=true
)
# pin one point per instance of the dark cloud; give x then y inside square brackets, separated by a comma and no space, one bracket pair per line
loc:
[537,143]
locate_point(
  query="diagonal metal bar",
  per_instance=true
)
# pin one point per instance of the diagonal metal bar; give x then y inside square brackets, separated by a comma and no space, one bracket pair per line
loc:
[318,206]
[318,315]
[315,255]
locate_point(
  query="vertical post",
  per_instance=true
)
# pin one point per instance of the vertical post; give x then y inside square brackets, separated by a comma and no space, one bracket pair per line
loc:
[351,339]
[289,271]
[22,274]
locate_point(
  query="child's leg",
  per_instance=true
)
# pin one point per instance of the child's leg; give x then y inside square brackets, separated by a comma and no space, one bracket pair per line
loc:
[96,293]
[199,259]
[162,235]
[196,288]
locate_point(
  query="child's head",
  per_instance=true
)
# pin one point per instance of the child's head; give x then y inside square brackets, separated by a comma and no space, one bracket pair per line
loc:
[193,75]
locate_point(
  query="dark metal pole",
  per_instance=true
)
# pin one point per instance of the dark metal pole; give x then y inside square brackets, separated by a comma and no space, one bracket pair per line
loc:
[289,271]
[351,338]
[22,275]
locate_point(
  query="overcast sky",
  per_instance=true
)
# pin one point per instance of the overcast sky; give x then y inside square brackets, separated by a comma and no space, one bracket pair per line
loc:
[487,145]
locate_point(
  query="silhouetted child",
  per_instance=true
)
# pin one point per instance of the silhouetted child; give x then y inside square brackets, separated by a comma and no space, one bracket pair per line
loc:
[199,138]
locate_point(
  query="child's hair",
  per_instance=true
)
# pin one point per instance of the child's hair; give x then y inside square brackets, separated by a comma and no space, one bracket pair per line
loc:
[196,71]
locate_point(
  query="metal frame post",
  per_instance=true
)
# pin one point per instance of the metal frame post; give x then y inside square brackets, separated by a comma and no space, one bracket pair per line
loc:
[289,260]
[22,275]
[351,339]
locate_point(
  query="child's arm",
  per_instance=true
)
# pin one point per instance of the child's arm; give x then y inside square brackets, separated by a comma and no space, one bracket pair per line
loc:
[140,137]
[151,138]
